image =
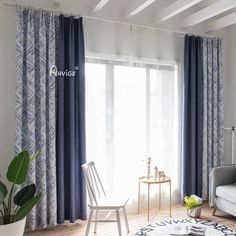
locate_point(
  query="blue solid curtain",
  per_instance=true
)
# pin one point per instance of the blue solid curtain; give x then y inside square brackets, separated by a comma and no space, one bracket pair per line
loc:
[192,134]
[71,192]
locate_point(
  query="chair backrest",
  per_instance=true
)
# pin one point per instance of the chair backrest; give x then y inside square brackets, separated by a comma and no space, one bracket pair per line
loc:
[93,183]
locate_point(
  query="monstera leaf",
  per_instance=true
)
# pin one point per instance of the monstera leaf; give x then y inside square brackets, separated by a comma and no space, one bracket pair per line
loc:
[3,192]
[18,168]
[24,195]
[27,207]
[26,198]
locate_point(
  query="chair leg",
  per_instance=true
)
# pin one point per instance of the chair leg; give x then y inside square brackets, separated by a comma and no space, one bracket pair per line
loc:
[126,219]
[95,225]
[214,211]
[118,222]
[89,222]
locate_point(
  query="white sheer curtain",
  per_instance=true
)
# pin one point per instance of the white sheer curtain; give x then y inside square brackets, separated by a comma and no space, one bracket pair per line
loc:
[133,113]
[165,126]
[95,116]
[130,129]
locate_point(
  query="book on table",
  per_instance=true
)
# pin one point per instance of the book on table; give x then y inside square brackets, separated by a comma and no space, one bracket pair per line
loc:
[188,230]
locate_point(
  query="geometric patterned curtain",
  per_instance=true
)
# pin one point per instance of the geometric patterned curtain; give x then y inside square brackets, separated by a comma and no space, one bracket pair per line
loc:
[35,107]
[212,110]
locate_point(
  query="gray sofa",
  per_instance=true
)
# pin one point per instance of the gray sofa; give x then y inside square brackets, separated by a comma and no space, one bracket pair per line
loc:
[223,189]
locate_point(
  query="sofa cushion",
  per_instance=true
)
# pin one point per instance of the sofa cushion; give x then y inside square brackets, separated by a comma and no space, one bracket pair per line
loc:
[227,192]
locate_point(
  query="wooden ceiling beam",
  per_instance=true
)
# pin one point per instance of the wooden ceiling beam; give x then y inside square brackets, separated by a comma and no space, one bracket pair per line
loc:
[100,5]
[208,12]
[222,22]
[139,6]
[174,9]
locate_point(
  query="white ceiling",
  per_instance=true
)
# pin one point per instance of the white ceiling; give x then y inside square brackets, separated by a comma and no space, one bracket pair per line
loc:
[188,15]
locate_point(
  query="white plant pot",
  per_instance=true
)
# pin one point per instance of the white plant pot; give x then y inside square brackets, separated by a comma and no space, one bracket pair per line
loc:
[14,229]
[196,212]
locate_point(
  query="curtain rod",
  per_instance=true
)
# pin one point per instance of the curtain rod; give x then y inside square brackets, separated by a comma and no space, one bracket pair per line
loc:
[11,4]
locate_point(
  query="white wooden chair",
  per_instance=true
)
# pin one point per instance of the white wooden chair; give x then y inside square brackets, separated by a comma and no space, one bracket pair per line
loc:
[99,201]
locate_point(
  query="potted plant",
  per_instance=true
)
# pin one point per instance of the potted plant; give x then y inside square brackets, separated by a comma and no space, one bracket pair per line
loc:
[15,207]
[194,206]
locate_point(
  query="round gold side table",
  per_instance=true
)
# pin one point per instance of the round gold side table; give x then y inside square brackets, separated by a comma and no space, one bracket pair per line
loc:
[150,181]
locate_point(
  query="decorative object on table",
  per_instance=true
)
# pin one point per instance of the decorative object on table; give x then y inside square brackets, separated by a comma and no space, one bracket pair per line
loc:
[149,182]
[194,206]
[13,218]
[161,175]
[163,228]
[149,160]
[156,172]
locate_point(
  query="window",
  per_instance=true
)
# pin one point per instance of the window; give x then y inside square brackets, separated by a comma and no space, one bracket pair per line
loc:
[95,114]
[132,113]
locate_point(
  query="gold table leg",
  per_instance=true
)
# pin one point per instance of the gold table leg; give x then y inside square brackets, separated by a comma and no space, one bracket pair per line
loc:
[138,197]
[168,180]
[148,200]
[160,196]
[170,198]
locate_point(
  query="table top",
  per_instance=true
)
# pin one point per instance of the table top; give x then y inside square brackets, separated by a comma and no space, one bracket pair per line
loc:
[152,180]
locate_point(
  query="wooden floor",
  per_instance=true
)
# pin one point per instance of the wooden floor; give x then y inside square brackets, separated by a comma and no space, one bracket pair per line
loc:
[136,221]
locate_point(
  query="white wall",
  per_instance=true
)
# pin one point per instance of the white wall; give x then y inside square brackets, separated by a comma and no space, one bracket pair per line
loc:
[230,89]
[7,85]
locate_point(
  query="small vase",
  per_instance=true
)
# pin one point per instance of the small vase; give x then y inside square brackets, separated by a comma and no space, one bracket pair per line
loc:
[195,213]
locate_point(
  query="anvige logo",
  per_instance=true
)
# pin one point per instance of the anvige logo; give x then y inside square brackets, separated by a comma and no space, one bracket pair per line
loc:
[69,73]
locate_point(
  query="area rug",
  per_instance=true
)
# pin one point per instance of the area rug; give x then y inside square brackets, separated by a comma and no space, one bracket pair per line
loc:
[170,226]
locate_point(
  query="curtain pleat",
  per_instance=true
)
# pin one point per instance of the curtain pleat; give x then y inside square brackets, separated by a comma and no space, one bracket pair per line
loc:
[35,107]
[205,122]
